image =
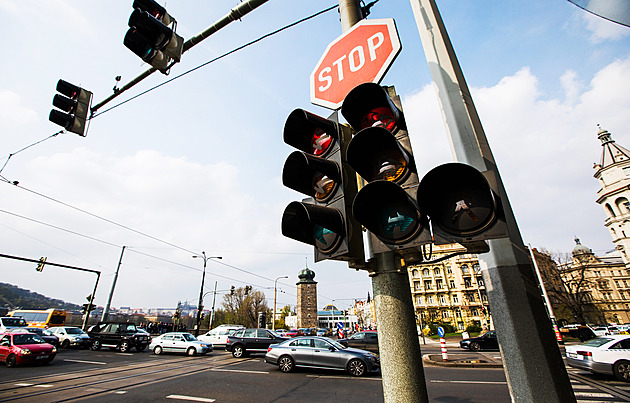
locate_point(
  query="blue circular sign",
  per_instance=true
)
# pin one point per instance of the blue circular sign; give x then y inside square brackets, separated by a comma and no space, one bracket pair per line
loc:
[441,331]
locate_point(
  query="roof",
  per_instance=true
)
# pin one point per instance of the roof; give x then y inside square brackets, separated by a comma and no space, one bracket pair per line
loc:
[612,152]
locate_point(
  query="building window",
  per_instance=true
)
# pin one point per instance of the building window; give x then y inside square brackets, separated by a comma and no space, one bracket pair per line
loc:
[418,300]
[451,283]
[442,299]
[610,210]
[414,273]
[455,298]
[426,273]
[436,271]
[467,282]
[438,284]
[417,286]
[474,312]
[476,268]
[430,299]
[464,269]
[480,282]
[445,314]
[449,270]
[458,314]
[427,284]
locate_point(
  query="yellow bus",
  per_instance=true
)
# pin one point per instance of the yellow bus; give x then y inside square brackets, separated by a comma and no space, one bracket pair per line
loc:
[39,318]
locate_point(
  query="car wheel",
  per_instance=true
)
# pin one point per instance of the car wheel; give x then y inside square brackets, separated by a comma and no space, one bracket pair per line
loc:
[621,369]
[141,348]
[65,344]
[157,350]
[191,351]
[96,345]
[356,367]
[474,346]
[124,346]
[238,351]
[285,364]
[11,361]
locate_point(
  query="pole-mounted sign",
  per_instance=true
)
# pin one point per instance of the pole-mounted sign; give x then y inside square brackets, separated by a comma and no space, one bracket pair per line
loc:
[361,55]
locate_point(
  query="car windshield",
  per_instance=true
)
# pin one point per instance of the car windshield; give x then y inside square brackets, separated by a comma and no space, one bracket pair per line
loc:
[27,338]
[189,337]
[13,322]
[337,345]
[74,330]
[274,333]
[600,341]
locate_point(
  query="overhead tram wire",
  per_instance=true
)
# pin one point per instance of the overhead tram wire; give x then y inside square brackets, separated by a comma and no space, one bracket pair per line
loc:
[29,146]
[215,59]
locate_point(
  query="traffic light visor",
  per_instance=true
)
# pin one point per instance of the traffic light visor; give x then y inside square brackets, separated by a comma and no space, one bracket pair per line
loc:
[322,227]
[376,154]
[458,199]
[387,211]
[310,175]
[368,105]
[310,133]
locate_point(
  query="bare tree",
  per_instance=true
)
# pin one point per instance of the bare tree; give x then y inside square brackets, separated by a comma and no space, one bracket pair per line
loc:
[243,309]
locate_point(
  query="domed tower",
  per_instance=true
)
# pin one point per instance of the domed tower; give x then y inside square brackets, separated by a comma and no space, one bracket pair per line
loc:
[613,173]
[306,299]
[582,253]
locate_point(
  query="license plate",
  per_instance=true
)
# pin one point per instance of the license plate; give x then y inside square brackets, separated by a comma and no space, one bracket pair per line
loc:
[41,357]
[572,355]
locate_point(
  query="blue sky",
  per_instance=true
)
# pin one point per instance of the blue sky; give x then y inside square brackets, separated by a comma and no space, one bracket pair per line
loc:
[196,164]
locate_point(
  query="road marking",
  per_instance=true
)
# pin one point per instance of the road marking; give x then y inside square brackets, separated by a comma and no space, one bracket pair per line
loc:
[127,354]
[23,384]
[474,382]
[87,362]
[43,386]
[191,398]
[239,370]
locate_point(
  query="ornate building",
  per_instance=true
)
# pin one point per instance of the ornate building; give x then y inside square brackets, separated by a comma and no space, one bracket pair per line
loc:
[451,291]
[613,173]
[306,299]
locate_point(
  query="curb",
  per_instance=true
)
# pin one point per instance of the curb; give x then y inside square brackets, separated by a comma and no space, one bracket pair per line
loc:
[436,359]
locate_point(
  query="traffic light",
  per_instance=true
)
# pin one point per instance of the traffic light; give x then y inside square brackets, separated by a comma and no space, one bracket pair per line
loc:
[74,103]
[248,289]
[150,37]
[232,290]
[262,320]
[381,154]
[87,308]
[462,205]
[40,265]
[319,170]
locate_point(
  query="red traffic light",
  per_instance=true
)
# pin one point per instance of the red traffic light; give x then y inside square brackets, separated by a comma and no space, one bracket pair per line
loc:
[369,105]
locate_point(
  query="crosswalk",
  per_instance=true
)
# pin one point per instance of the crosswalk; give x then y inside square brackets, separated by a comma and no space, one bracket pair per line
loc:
[587,390]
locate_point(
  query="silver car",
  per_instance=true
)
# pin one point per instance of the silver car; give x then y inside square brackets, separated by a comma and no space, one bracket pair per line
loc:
[178,342]
[321,352]
[70,336]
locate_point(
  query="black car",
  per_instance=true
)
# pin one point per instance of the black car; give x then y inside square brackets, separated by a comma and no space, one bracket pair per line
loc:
[121,336]
[487,341]
[367,340]
[44,334]
[246,341]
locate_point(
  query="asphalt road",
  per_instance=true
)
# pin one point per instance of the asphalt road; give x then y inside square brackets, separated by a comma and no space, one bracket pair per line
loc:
[103,376]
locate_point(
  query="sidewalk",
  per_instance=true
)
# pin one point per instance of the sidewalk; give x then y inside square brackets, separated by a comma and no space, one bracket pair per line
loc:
[458,357]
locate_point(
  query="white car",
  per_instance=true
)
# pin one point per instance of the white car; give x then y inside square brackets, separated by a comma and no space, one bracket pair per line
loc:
[178,342]
[8,322]
[71,336]
[604,355]
[218,335]
[604,330]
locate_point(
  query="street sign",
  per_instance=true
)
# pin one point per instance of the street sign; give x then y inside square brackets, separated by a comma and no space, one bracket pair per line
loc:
[361,55]
[440,331]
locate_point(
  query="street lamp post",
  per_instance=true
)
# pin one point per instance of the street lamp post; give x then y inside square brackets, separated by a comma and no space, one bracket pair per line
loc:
[203,279]
[275,286]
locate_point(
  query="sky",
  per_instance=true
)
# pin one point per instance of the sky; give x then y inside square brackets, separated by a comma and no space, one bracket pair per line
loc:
[195,165]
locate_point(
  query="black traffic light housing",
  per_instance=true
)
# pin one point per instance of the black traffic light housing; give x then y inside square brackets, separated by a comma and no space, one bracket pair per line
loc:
[74,105]
[319,170]
[381,153]
[150,37]
[462,204]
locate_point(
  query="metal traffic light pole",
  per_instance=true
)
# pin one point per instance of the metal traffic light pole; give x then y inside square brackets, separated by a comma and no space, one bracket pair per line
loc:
[403,374]
[532,362]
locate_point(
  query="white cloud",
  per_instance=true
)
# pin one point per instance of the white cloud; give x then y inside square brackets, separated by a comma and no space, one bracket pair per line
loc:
[602,29]
[12,110]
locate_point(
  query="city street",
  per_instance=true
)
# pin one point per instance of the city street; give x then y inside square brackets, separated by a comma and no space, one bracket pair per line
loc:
[104,375]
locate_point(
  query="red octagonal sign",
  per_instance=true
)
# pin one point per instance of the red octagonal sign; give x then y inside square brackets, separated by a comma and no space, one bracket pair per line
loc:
[361,55]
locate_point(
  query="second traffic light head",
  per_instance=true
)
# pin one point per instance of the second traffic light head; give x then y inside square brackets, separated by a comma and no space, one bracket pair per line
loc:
[369,105]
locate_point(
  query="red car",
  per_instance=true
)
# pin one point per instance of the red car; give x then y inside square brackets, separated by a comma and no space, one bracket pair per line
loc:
[24,348]
[294,333]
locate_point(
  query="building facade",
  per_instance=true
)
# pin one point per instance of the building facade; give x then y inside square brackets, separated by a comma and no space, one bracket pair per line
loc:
[450,291]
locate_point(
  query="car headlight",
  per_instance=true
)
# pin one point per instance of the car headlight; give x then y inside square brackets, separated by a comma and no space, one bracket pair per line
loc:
[54,350]
[25,351]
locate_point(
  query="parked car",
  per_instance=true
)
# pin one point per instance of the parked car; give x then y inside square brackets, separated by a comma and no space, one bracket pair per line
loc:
[623,329]
[24,348]
[281,332]
[322,332]
[179,342]
[245,341]
[218,336]
[9,322]
[41,332]
[604,330]
[487,341]
[294,333]
[121,336]
[608,355]
[367,340]
[321,352]
[71,336]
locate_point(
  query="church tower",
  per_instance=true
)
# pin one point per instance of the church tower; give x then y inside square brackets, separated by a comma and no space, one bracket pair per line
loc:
[306,299]
[613,173]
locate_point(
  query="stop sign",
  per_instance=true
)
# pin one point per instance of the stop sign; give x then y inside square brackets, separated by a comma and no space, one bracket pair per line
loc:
[362,54]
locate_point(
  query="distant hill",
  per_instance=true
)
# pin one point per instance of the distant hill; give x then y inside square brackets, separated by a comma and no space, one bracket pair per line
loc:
[13,297]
